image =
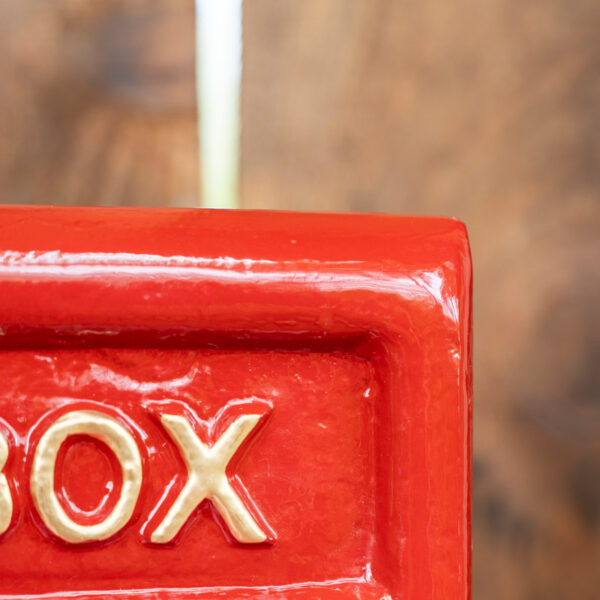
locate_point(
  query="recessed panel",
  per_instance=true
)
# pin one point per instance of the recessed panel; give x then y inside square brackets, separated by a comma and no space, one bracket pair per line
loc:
[306,473]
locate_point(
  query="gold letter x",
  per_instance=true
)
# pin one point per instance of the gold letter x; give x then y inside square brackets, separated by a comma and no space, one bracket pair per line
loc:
[207,479]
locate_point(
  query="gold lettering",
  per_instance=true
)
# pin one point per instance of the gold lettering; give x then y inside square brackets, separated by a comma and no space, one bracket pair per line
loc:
[207,479]
[119,440]
[6,504]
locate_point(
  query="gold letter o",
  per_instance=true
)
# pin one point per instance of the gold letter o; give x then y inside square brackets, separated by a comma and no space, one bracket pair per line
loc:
[119,440]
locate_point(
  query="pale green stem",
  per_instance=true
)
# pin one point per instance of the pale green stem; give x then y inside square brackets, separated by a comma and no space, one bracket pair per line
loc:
[218,78]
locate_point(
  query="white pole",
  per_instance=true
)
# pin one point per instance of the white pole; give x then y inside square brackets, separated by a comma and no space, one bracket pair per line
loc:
[218,80]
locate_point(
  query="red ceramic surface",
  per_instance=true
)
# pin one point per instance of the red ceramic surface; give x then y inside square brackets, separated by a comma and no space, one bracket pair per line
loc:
[348,338]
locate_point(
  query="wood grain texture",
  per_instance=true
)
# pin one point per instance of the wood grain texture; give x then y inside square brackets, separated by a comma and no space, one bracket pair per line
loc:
[487,111]
[98,102]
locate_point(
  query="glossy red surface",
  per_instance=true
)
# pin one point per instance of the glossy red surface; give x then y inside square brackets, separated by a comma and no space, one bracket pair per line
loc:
[351,331]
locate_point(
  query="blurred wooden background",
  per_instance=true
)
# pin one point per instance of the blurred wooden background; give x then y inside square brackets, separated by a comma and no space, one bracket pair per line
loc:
[484,110]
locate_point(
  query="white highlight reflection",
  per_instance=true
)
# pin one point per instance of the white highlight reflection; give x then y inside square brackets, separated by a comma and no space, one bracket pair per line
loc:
[329,276]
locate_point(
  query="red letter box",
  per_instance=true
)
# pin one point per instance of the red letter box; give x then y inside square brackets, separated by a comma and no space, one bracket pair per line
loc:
[206,404]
